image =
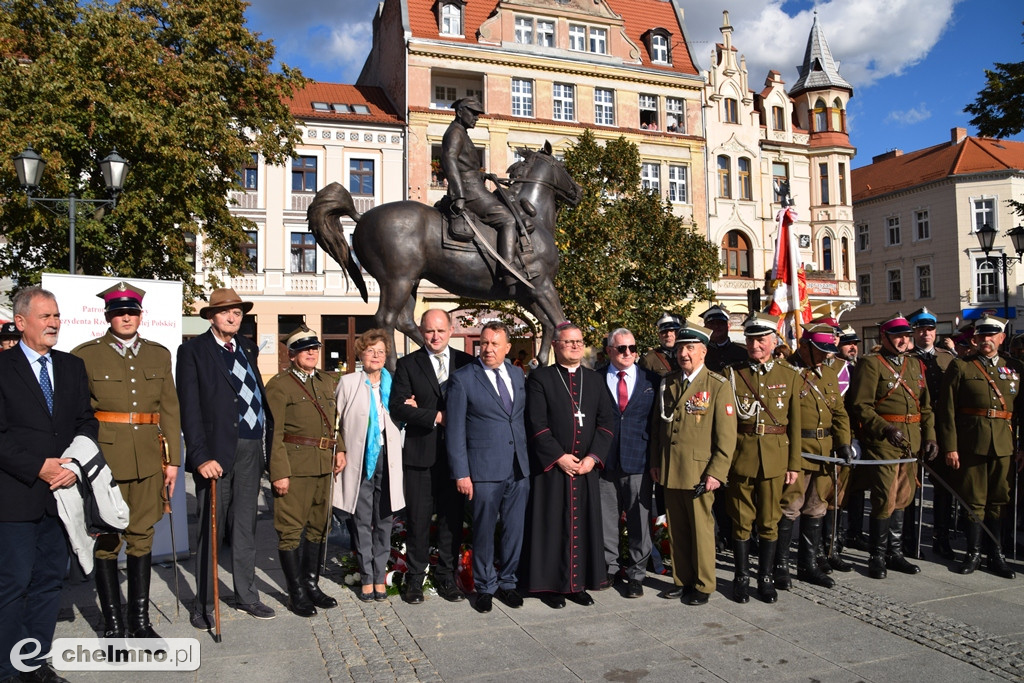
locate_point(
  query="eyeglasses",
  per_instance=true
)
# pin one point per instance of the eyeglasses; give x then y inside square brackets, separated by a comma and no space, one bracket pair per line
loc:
[623,348]
[570,342]
[375,353]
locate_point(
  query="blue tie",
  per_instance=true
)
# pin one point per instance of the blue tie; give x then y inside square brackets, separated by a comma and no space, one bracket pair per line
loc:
[44,383]
[506,398]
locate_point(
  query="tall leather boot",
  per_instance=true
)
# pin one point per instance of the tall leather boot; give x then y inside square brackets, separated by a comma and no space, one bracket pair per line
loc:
[806,555]
[894,559]
[833,559]
[298,598]
[996,562]
[311,576]
[972,560]
[765,563]
[878,539]
[942,511]
[109,593]
[741,576]
[911,548]
[138,597]
[781,570]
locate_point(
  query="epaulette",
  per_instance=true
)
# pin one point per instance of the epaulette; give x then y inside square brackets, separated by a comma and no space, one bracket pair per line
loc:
[715,376]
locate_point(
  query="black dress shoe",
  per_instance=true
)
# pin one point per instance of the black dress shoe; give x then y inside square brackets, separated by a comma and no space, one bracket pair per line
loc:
[634,589]
[449,591]
[695,597]
[366,597]
[553,600]
[673,593]
[483,603]
[44,674]
[202,621]
[413,595]
[509,596]
[581,598]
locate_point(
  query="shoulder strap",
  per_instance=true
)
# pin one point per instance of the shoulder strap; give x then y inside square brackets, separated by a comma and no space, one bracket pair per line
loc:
[816,390]
[900,382]
[316,404]
[991,383]
[757,397]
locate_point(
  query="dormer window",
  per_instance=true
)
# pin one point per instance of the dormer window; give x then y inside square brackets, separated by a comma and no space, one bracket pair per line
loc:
[659,43]
[450,19]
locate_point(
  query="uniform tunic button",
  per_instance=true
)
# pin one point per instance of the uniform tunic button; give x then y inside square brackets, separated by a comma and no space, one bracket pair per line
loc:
[106,376]
[133,391]
[131,367]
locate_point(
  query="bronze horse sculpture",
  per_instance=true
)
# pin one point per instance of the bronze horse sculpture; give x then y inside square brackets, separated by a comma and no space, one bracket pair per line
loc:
[400,243]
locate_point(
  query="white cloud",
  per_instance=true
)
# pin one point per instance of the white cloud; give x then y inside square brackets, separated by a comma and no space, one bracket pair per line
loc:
[908,117]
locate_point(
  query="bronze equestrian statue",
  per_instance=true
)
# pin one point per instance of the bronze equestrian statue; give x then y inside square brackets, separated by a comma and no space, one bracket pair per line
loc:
[401,243]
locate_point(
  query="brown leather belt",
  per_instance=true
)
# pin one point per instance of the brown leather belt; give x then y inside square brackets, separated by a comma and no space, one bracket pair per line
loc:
[982,412]
[323,443]
[128,418]
[819,433]
[909,419]
[761,429]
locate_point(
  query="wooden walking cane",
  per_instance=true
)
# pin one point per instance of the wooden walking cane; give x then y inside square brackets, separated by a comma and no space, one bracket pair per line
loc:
[213,549]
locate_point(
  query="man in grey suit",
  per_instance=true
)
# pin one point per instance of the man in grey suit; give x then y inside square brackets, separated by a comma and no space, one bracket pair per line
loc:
[488,461]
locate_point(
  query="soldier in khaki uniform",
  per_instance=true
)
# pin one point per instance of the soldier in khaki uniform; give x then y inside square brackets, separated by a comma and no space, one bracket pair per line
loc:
[303,456]
[133,394]
[693,440]
[978,401]
[889,399]
[824,427]
[722,351]
[662,360]
[767,452]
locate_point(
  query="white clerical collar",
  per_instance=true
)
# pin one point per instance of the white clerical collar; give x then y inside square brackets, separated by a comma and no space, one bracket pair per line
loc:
[568,369]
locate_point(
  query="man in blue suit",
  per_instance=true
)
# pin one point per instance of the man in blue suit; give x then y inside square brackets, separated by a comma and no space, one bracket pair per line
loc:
[625,482]
[488,461]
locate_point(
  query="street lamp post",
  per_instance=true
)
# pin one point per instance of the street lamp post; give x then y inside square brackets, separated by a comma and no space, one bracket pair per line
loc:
[986,238]
[29,167]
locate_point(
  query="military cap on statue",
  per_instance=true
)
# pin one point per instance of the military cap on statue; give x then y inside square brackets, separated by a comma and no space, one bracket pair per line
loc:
[716,312]
[301,339]
[471,103]
[692,332]
[760,324]
[9,331]
[922,318]
[989,324]
[821,336]
[122,297]
[897,324]
[668,322]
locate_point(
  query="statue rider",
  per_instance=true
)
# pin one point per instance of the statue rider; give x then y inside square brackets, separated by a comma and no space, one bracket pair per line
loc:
[460,160]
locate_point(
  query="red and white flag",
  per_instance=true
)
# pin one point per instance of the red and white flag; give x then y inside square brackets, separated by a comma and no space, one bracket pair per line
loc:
[786,297]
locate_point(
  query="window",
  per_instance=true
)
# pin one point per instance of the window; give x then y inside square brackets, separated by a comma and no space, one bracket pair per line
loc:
[863,237]
[922,227]
[826,253]
[564,102]
[820,116]
[649,112]
[895,280]
[604,107]
[837,114]
[451,19]
[545,33]
[659,49]
[577,37]
[845,247]
[650,176]
[984,213]
[303,252]
[251,251]
[780,174]
[444,96]
[736,254]
[675,115]
[599,40]
[731,110]
[842,184]
[524,30]
[724,177]
[304,174]
[823,175]
[779,118]
[190,249]
[522,97]
[677,184]
[360,176]
[865,288]
[924,282]
[743,176]
[986,280]
[892,231]
[249,176]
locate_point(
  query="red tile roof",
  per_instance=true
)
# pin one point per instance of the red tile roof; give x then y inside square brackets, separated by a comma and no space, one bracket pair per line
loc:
[374,98]
[900,171]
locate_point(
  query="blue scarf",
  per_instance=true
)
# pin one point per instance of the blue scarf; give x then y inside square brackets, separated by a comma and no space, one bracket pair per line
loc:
[374,440]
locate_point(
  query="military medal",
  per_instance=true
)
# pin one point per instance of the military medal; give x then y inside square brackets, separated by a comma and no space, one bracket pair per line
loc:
[778,402]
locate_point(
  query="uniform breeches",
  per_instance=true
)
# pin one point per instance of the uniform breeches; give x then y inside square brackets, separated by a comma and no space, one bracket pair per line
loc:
[146,507]
[983,482]
[753,500]
[892,488]
[808,495]
[305,506]
[691,532]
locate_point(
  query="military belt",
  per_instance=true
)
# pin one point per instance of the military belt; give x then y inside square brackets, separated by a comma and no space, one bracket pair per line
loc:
[909,419]
[762,429]
[986,412]
[819,433]
[128,418]
[323,443]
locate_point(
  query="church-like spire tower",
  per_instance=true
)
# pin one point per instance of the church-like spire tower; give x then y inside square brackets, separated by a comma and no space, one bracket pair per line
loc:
[819,70]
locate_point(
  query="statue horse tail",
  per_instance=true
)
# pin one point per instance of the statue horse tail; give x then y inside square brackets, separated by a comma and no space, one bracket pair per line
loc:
[323,215]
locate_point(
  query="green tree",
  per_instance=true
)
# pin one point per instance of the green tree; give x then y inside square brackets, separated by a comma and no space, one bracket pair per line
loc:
[181,89]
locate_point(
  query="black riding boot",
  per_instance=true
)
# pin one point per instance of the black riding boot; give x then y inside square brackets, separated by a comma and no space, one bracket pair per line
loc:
[298,597]
[109,593]
[138,597]
[782,578]
[996,562]
[972,560]
[741,576]
[765,564]
[895,560]
[806,564]
[878,539]
[942,509]
[833,559]
[311,576]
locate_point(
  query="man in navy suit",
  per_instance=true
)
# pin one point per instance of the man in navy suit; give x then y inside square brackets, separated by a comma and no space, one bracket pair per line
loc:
[226,423]
[488,460]
[625,482]
[418,400]
[44,405]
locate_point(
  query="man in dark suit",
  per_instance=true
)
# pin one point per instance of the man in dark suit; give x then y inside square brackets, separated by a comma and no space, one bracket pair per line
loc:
[418,399]
[488,459]
[625,481]
[226,423]
[44,405]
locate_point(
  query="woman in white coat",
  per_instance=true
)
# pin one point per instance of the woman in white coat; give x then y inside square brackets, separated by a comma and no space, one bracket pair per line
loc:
[371,483]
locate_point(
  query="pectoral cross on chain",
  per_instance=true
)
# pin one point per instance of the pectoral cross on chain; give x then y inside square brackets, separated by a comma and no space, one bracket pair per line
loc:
[579,415]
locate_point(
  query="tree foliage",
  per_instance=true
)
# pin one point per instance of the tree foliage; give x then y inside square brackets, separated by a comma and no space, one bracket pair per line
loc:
[183,91]
[625,257]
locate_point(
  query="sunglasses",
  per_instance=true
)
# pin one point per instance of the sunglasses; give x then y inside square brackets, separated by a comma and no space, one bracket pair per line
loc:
[622,349]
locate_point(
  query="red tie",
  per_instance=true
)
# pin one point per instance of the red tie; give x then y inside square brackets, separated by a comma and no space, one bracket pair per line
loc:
[623,393]
[230,347]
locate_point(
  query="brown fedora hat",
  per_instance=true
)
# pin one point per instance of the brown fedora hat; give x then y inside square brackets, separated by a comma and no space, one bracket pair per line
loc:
[221,299]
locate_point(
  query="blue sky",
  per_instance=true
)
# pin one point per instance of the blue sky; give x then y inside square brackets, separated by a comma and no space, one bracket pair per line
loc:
[914,64]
